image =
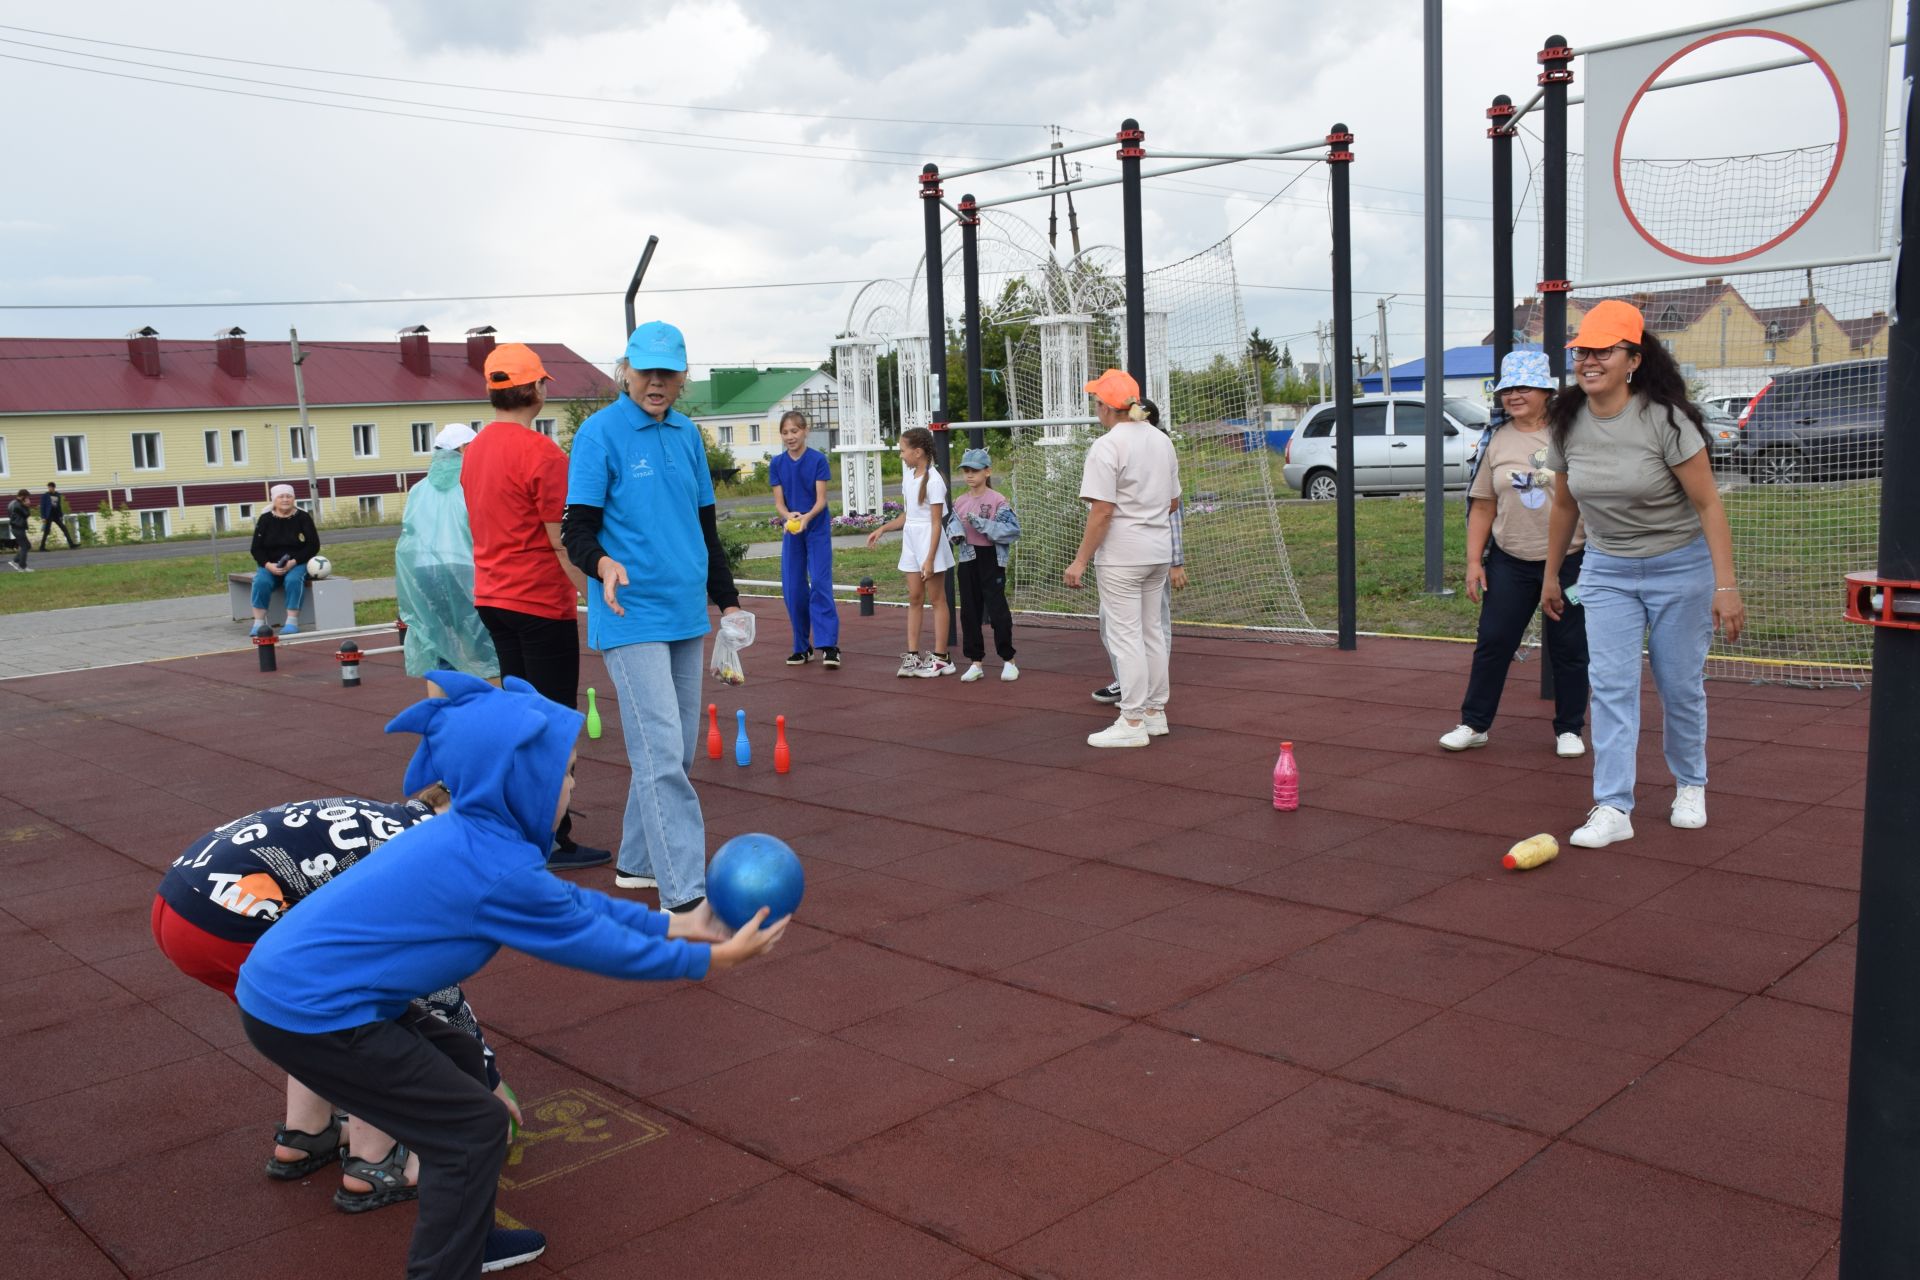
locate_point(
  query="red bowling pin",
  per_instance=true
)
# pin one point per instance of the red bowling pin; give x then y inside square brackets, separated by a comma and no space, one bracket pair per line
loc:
[781,760]
[1286,780]
[713,731]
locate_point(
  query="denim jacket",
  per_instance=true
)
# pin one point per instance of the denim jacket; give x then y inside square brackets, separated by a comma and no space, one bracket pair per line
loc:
[1002,529]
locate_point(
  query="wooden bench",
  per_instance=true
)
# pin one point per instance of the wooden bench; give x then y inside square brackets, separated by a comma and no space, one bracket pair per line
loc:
[327,607]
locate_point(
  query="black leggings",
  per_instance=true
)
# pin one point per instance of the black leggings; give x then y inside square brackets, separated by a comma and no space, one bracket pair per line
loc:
[1513,593]
[545,652]
[983,592]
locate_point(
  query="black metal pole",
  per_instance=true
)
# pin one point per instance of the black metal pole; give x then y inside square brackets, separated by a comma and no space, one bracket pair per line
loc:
[937,355]
[1556,62]
[970,273]
[633,285]
[1879,1230]
[1502,134]
[1339,156]
[1433,383]
[1131,135]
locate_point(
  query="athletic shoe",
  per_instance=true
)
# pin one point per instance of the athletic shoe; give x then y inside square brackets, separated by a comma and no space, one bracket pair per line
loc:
[292,628]
[1008,671]
[577,858]
[1108,694]
[511,1248]
[935,665]
[909,665]
[1120,734]
[830,657]
[1568,746]
[259,628]
[799,657]
[1460,737]
[1689,808]
[1156,722]
[1604,825]
[633,880]
[974,672]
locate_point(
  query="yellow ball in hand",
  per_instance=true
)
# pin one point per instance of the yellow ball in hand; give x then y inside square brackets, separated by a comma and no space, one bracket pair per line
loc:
[794,524]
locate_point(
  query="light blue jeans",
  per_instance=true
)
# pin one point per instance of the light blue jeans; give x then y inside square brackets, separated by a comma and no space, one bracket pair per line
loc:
[1668,601]
[663,834]
[295,580]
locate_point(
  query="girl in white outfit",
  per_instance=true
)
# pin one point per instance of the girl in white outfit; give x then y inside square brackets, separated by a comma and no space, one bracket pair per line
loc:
[925,556]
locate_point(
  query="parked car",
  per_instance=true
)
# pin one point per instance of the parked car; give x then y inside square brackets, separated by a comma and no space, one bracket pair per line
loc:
[1389,446]
[1824,421]
[1731,406]
[1724,429]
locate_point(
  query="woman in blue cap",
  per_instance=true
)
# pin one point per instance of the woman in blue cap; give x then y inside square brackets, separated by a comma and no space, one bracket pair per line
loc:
[1510,502]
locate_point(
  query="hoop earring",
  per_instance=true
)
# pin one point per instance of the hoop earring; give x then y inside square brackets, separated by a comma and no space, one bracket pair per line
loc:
[1629,377]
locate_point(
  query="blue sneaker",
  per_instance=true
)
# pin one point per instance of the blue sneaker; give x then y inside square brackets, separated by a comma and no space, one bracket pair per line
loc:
[292,628]
[577,858]
[511,1248]
[259,629]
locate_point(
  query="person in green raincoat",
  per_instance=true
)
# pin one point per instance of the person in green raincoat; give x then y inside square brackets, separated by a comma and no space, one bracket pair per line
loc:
[433,572]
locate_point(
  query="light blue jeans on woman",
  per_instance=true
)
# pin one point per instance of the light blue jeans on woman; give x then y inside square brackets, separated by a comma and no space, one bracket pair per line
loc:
[295,581]
[1667,600]
[663,834]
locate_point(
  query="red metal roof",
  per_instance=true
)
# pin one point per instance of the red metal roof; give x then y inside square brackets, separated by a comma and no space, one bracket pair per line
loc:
[94,375]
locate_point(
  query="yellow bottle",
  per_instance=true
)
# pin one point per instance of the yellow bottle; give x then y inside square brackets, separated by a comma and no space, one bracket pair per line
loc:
[1531,852]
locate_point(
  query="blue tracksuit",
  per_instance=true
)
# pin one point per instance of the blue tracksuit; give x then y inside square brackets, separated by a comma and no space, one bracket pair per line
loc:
[806,561]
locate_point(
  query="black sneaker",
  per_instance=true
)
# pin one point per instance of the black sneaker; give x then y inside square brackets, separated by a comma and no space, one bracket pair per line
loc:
[577,858]
[830,656]
[799,657]
[1109,694]
[511,1248]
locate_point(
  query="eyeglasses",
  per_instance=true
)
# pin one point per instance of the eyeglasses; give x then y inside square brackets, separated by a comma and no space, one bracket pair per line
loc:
[1602,354]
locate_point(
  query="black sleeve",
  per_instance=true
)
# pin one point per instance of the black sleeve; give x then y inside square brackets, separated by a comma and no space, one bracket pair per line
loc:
[313,534]
[259,548]
[580,535]
[720,588]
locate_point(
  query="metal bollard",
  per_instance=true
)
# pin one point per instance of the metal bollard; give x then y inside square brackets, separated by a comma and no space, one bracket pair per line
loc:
[349,660]
[264,645]
[865,593]
[400,630]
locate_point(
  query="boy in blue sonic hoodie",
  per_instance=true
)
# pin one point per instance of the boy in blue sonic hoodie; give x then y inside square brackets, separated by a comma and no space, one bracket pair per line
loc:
[327,993]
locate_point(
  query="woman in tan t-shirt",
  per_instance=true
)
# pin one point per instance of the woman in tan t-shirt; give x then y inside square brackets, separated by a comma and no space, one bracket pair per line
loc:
[1509,507]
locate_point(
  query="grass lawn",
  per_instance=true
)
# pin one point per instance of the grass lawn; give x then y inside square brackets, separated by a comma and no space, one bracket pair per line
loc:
[166,579]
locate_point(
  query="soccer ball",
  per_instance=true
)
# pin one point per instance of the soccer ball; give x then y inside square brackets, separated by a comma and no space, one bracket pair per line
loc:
[319,567]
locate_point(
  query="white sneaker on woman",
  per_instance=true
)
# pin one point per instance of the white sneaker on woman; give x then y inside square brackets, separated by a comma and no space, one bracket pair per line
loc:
[1689,808]
[974,672]
[1568,746]
[1460,737]
[934,665]
[1156,723]
[909,665]
[1604,825]
[1120,734]
[1008,671]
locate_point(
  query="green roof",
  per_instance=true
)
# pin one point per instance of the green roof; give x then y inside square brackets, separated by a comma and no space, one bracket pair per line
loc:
[738,392]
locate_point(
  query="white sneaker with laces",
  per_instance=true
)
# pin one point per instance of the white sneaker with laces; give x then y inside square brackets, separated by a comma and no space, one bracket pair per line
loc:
[1689,808]
[1569,746]
[974,672]
[633,880]
[1009,672]
[909,665]
[1604,825]
[1461,737]
[1156,723]
[1120,734]
[932,666]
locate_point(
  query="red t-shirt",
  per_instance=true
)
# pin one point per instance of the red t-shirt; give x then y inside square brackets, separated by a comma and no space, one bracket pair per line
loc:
[515,480]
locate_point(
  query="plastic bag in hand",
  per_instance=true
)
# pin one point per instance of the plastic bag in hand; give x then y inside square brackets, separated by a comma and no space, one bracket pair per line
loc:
[735,634]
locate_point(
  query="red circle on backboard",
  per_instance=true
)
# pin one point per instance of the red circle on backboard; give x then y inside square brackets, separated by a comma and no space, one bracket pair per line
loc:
[1839,152]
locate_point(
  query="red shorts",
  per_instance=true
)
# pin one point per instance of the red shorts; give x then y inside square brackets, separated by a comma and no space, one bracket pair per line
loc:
[195,952]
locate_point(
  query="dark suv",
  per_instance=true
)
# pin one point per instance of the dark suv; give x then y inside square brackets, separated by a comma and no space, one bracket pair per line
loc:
[1825,421]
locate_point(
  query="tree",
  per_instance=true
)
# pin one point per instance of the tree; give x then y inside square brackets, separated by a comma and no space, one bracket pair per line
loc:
[1265,358]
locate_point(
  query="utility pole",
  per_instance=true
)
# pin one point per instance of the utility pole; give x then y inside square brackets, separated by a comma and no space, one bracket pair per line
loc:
[306,431]
[1813,318]
[1386,360]
[1724,313]
[1320,358]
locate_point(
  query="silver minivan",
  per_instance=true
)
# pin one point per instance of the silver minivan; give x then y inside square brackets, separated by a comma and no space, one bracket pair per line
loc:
[1389,446]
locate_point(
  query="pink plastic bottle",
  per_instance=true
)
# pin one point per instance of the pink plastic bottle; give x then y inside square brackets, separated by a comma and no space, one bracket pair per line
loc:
[1286,780]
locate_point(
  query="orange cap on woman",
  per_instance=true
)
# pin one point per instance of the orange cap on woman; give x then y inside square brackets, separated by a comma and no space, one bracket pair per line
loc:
[1609,323]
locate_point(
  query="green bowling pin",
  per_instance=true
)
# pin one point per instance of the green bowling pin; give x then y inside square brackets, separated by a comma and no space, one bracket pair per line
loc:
[593,716]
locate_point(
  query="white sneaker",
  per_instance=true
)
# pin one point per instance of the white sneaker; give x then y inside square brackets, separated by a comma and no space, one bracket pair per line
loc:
[909,665]
[1156,723]
[1461,737]
[1120,734]
[622,880]
[932,666]
[1009,672]
[1568,746]
[1604,825]
[974,672]
[1689,808]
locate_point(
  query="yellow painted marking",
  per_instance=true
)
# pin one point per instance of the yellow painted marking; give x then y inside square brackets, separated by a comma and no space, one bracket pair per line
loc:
[568,1131]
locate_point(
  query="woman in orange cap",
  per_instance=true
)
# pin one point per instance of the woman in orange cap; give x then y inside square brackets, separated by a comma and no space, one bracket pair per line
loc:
[1131,485]
[1659,560]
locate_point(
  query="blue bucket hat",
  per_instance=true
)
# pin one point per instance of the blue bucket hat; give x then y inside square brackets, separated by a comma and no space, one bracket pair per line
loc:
[976,460]
[657,345]
[1526,369]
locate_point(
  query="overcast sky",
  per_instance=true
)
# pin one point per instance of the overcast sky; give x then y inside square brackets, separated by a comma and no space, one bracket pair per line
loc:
[130,191]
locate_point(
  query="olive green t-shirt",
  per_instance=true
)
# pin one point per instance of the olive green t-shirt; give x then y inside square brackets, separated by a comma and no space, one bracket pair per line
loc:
[1513,476]
[1620,471]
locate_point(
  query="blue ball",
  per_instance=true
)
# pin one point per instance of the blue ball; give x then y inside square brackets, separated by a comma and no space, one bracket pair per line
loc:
[754,871]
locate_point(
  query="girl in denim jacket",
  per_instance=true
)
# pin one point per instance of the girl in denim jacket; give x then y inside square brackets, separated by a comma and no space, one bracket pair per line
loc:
[985,520]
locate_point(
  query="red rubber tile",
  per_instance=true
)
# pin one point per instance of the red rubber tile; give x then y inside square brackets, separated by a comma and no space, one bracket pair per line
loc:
[1825,825]
[1458,772]
[1308,829]
[1829,1267]
[1159,1089]
[984,1172]
[1754,902]
[117,919]
[1289,1015]
[1439,851]
[710,1034]
[1782,856]
[795,1105]
[1406,961]
[1423,1263]
[1209,859]
[1389,1162]
[1616,1008]
[978,866]
[1789,1046]
[92,1049]
[1720,955]
[836,985]
[62,995]
[873,842]
[1202,1225]
[1498,1071]
[864,903]
[982,937]
[40,857]
[1243,926]
[1574,1214]
[1094,893]
[25,955]
[1731,1132]
[15,1181]
[1122,973]
[47,1243]
[1086,833]
[980,1031]
[814,1233]
[526,1000]
[1596,875]
[1824,980]
[1345,884]
[1807,774]
[1507,913]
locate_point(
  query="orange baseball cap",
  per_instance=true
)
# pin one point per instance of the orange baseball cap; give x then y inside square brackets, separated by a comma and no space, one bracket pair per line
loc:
[1609,323]
[514,364]
[1115,388]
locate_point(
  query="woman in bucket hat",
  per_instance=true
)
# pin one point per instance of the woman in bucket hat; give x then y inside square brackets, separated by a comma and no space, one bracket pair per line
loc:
[1509,510]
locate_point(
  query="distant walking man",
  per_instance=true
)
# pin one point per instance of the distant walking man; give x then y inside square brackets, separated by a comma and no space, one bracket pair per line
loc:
[52,513]
[17,513]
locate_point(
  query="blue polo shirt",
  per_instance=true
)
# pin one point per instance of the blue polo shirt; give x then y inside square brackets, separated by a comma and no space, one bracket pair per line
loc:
[650,479]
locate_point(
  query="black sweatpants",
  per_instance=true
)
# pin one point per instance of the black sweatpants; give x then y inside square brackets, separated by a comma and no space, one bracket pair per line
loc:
[983,593]
[545,652]
[1513,593]
[423,1081]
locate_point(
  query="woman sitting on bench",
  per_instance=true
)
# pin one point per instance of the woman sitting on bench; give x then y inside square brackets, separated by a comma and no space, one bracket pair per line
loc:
[284,539]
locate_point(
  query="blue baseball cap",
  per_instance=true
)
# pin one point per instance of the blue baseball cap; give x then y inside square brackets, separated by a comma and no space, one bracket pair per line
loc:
[1525,369]
[976,460]
[657,345]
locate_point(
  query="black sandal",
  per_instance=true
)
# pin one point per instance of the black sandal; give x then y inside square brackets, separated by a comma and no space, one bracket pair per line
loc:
[323,1149]
[389,1179]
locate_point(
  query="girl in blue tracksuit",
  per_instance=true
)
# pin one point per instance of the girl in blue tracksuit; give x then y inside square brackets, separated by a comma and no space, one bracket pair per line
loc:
[326,993]
[800,477]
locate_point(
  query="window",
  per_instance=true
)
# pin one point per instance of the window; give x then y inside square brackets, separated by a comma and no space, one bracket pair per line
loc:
[239,435]
[153,524]
[370,507]
[544,426]
[146,451]
[366,440]
[245,512]
[753,434]
[82,526]
[423,434]
[726,433]
[3,455]
[297,444]
[1369,420]
[212,439]
[220,519]
[69,455]
[304,504]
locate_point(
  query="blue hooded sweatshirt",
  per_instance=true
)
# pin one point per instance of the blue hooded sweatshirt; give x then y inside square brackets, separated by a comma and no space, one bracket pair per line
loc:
[442,897]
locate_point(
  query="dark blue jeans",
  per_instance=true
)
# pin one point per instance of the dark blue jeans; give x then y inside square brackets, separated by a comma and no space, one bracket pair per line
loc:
[1512,595]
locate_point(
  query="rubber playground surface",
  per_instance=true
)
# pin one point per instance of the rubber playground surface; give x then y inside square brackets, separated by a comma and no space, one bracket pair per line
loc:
[1046,1011]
